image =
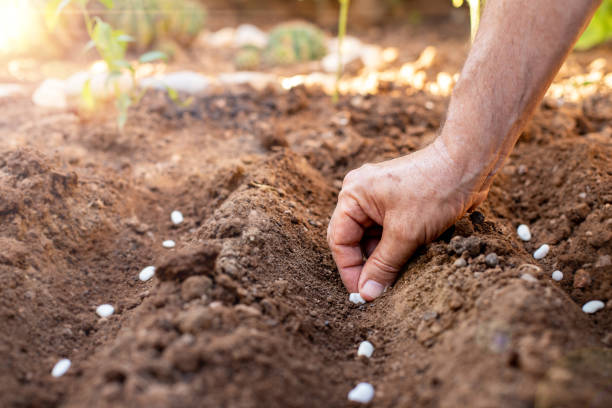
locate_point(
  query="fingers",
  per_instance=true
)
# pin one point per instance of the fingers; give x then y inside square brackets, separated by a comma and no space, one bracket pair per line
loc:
[383,265]
[346,229]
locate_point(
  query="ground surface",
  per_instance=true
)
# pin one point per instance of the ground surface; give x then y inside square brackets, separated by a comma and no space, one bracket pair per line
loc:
[248,309]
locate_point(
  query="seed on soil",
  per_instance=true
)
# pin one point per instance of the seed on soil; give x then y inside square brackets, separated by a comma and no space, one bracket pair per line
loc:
[365,349]
[363,393]
[529,277]
[491,259]
[147,273]
[541,252]
[356,299]
[557,275]
[61,367]
[592,306]
[105,310]
[523,232]
[176,217]
[168,243]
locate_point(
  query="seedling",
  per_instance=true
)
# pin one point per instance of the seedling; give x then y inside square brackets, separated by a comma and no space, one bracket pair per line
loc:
[476,8]
[342,17]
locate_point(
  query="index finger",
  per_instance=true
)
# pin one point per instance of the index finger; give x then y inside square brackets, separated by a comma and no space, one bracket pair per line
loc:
[346,229]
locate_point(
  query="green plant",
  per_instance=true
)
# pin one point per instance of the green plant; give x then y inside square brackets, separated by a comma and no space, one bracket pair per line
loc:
[294,42]
[599,29]
[476,7]
[342,18]
[247,58]
[111,45]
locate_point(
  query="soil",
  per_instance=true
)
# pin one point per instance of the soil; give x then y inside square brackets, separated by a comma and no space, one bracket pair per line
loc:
[248,309]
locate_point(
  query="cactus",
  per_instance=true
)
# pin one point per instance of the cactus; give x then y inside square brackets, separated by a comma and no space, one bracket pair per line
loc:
[155,21]
[248,58]
[295,42]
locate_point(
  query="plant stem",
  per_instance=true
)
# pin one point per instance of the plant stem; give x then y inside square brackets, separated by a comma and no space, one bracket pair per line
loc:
[341,33]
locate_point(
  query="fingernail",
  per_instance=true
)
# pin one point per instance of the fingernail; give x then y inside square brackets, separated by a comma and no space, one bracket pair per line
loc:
[372,289]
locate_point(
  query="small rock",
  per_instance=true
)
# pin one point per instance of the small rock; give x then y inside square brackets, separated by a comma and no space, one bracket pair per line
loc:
[183,81]
[528,277]
[222,38]
[51,94]
[363,393]
[258,80]
[168,243]
[557,275]
[460,263]
[105,310]
[523,232]
[61,367]
[430,315]
[471,245]
[176,217]
[365,349]
[7,90]
[195,286]
[492,260]
[356,299]
[541,252]
[592,306]
[582,279]
[147,273]
[582,195]
[248,34]
[603,260]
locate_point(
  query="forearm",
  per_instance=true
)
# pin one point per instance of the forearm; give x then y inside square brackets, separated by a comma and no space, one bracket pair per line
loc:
[518,50]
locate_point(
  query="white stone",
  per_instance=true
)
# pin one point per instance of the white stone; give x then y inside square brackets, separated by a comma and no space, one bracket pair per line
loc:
[363,393]
[371,56]
[365,349]
[183,81]
[105,310]
[523,232]
[541,252]
[529,277]
[147,273]
[176,217]
[592,306]
[102,87]
[258,80]
[248,34]
[61,367]
[7,90]
[51,94]
[168,243]
[222,38]
[557,275]
[356,299]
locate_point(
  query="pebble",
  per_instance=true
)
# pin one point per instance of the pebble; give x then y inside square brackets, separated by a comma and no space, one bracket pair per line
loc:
[147,273]
[248,34]
[523,232]
[176,217]
[105,310]
[460,263]
[365,349]
[363,393]
[541,252]
[492,259]
[557,275]
[356,299]
[61,367]
[183,81]
[592,306]
[51,94]
[528,277]
[168,243]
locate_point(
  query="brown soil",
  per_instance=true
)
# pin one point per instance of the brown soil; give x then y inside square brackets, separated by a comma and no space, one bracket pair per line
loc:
[248,310]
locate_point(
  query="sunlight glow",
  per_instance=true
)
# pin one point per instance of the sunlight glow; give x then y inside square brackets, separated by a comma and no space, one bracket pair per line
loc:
[16,18]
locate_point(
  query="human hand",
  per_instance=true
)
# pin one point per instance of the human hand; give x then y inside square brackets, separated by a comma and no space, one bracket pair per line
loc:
[386,211]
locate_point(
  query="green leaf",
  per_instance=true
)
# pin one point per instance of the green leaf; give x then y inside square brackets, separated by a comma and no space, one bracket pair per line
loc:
[172,94]
[109,4]
[122,103]
[88,101]
[53,9]
[153,56]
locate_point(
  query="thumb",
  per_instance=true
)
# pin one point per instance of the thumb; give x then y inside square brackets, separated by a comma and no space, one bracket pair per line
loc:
[382,267]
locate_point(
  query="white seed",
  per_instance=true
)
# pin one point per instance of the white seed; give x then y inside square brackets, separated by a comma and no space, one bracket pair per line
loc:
[105,310]
[363,393]
[356,299]
[365,349]
[60,367]
[147,273]
[523,232]
[176,217]
[541,252]
[528,277]
[168,243]
[557,275]
[592,306]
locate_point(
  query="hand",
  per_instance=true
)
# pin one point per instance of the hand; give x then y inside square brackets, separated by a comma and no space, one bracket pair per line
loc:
[386,211]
